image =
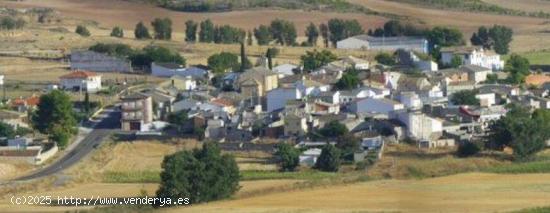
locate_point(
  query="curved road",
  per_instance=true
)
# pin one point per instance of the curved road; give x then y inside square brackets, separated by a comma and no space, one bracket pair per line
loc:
[109,122]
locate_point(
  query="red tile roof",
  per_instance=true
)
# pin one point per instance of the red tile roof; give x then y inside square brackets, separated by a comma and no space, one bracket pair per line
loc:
[78,74]
[30,101]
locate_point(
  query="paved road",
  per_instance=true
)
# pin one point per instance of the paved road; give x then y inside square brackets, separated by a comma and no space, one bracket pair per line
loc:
[102,129]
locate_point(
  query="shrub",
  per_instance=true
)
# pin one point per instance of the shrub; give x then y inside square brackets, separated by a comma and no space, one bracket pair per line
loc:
[329,160]
[82,30]
[117,32]
[289,156]
[467,149]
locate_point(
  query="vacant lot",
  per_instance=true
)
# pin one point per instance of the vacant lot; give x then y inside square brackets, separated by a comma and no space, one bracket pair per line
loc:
[473,192]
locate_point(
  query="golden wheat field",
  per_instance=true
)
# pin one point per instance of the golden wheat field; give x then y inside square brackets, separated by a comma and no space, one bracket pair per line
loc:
[471,192]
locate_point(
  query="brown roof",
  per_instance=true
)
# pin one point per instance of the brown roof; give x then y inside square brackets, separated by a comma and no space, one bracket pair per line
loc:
[78,74]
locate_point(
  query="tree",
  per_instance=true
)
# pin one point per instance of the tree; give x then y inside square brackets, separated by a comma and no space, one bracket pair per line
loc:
[284,32]
[501,37]
[525,132]
[82,30]
[245,63]
[340,29]
[312,34]
[518,67]
[349,80]
[178,119]
[329,160]
[445,37]
[162,28]
[55,116]
[87,105]
[141,31]
[191,31]
[348,144]
[118,50]
[222,62]
[313,60]
[202,175]
[324,33]
[263,35]
[117,32]
[289,156]
[6,130]
[465,97]
[227,34]
[156,54]
[393,28]
[385,59]
[334,129]
[456,62]
[481,38]
[206,33]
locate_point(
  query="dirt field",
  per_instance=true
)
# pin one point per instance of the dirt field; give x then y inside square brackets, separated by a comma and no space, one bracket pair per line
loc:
[473,192]
[126,14]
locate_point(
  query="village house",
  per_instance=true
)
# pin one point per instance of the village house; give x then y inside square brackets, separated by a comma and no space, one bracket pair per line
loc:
[472,55]
[81,80]
[256,82]
[366,42]
[411,59]
[98,62]
[420,126]
[162,103]
[310,87]
[179,83]
[351,62]
[295,125]
[277,98]
[477,74]
[347,96]
[166,69]
[411,100]
[25,104]
[486,99]
[225,104]
[373,105]
[483,115]
[285,70]
[137,112]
